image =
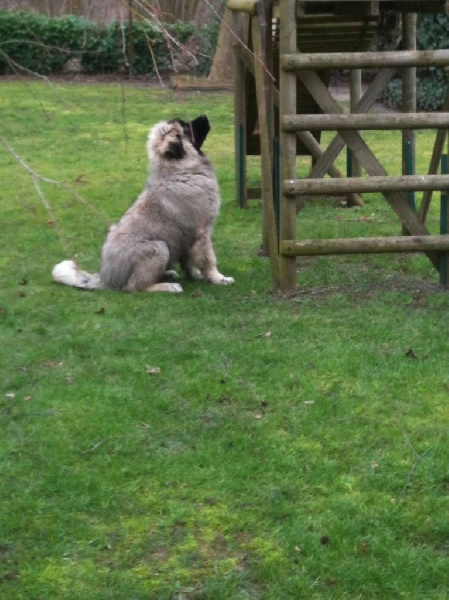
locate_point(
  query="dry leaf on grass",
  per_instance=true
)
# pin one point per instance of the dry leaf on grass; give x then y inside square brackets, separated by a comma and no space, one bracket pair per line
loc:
[152,370]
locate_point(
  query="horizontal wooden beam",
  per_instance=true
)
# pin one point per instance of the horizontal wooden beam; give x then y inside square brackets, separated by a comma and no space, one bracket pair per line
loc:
[363,60]
[362,185]
[248,6]
[362,245]
[369,121]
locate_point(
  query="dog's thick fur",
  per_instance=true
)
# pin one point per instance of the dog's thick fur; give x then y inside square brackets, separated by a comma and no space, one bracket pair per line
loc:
[170,222]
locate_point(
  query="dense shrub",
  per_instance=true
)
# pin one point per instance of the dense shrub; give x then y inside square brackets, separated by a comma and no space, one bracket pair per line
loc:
[39,43]
[45,45]
[432,34]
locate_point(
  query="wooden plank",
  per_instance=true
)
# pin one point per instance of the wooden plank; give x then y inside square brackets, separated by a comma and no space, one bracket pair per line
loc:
[368,121]
[365,60]
[375,184]
[362,245]
[287,104]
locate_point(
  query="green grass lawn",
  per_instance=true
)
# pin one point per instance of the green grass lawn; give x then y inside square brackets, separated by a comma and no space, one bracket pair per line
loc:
[222,443]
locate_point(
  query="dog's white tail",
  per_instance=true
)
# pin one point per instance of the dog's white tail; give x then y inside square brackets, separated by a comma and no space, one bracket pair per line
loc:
[67,272]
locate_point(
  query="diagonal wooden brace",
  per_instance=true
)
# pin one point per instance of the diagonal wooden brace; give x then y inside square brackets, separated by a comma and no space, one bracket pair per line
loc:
[397,200]
[364,104]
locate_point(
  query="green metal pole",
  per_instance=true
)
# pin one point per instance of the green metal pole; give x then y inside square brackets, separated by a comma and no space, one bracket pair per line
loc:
[241,169]
[444,223]
[276,186]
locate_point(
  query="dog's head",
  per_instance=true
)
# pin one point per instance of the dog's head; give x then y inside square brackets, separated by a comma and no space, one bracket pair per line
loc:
[173,139]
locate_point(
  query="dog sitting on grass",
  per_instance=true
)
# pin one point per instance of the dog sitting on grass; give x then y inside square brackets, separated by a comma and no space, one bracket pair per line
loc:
[171,221]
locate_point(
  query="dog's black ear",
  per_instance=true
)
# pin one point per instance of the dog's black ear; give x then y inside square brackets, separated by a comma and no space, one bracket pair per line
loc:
[200,128]
[195,131]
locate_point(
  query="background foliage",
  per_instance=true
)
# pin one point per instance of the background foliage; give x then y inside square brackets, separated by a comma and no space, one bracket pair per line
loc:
[45,45]
[432,34]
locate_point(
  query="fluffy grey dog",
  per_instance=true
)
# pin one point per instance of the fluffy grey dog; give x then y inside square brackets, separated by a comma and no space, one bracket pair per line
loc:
[170,222]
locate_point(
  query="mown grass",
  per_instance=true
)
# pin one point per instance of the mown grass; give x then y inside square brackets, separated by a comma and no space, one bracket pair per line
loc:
[286,449]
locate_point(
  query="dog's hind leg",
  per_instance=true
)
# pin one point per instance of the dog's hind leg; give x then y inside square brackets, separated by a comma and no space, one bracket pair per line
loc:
[150,260]
[202,259]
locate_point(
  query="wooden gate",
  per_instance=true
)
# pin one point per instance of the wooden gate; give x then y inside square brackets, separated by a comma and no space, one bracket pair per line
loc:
[301,61]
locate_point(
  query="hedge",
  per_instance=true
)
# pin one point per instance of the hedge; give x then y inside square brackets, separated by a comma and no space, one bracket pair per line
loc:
[431,86]
[45,45]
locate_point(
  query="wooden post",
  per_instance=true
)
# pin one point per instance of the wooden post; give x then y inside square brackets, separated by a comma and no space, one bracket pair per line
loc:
[240,26]
[287,105]
[409,102]
[265,106]
[355,93]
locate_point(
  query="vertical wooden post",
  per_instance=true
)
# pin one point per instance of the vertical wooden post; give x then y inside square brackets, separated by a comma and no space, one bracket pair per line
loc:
[265,126]
[287,105]
[261,35]
[409,100]
[240,26]
[355,93]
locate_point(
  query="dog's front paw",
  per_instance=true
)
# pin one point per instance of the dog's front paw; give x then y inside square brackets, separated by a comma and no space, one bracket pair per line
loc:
[174,288]
[165,286]
[171,274]
[227,280]
[222,280]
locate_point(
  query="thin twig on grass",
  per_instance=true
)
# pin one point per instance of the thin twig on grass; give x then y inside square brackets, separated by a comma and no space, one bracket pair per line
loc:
[36,179]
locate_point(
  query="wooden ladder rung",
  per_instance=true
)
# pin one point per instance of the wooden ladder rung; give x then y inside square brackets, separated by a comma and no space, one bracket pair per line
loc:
[375,184]
[362,245]
[363,60]
[368,121]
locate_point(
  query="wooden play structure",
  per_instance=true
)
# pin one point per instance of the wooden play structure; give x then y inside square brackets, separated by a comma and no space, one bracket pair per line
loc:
[283,60]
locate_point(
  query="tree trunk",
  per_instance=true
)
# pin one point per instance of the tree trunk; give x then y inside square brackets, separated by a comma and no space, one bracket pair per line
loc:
[222,66]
